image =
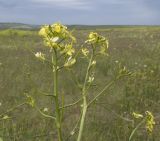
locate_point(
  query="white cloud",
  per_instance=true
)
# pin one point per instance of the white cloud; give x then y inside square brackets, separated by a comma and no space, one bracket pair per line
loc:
[118,1]
[72,4]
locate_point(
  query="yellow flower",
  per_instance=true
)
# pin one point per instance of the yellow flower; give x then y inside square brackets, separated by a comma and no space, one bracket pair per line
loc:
[149,121]
[57,27]
[55,39]
[90,79]
[54,33]
[45,109]
[44,31]
[85,51]
[30,100]
[5,117]
[71,61]
[93,35]
[40,55]
[69,50]
[93,62]
[136,115]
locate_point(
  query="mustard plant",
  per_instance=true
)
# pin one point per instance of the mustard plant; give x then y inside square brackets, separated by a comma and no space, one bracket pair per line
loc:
[60,41]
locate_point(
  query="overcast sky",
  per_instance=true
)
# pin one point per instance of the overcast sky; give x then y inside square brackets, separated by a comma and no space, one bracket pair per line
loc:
[102,12]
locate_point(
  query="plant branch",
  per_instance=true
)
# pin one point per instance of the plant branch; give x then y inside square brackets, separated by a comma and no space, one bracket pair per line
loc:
[72,104]
[136,128]
[84,96]
[116,114]
[43,114]
[11,109]
[46,94]
[100,93]
[105,88]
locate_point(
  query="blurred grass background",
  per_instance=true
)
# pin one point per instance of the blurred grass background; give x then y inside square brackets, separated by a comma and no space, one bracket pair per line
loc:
[137,48]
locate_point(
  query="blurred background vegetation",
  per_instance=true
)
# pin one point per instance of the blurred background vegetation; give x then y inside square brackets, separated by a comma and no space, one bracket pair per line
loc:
[137,48]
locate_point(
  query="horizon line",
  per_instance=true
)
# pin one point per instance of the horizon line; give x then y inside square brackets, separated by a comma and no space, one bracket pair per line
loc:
[83,24]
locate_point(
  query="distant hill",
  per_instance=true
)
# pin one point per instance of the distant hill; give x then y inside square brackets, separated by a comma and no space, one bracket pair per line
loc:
[31,27]
[79,27]
[18,26]
[91,26]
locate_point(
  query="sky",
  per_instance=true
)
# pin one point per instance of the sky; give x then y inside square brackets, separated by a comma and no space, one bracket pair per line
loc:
[87,12]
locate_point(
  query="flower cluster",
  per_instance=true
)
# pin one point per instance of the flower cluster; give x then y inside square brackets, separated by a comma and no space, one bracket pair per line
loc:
[60,40]
[53,36]
[98,42]
[149,121]
[95,38]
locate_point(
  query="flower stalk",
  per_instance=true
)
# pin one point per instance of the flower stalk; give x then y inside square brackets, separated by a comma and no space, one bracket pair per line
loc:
[56,96]
[84,96]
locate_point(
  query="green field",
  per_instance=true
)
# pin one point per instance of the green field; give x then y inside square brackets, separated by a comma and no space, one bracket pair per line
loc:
[135,47]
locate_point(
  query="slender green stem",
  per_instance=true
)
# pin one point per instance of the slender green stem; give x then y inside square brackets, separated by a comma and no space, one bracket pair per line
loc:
[56,95]
[135,129]
[72,104]
[101,92]
[113,112]
[84,96]
[43,114]
[76,125]
[82,120]
[46,94]
[105,88]
[12,109]
[74,130]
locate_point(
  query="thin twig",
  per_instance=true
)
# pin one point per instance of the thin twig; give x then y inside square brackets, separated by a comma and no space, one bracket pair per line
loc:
[11,109]
[104,89]
[72,104]
[116,114]
[135,129]
[45,94]
[75,127]
[43,114]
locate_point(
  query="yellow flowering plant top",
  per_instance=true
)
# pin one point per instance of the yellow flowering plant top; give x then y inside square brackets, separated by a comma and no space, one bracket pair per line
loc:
[99,44]
[58,38]
[55,34]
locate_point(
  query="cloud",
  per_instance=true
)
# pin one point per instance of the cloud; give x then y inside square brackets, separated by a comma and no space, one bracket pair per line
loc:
[7,3]
[58,4]
[81,11]
[71,4]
